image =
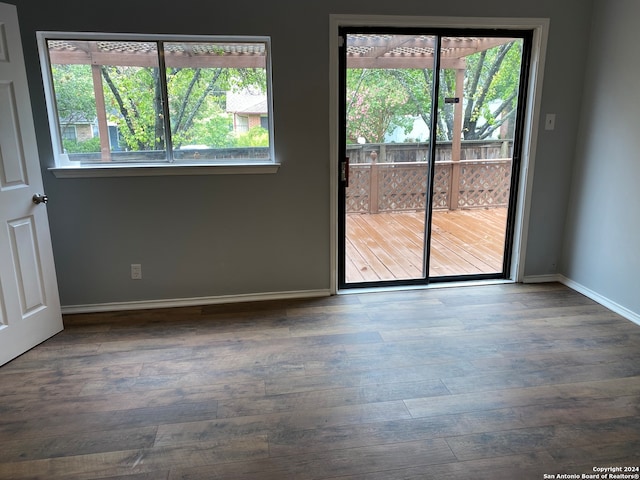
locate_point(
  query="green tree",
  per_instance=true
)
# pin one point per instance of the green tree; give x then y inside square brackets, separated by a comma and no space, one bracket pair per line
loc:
[214,130]
[491,89]
[255,137]
[74,98]
[74,93]
[133,102]
[196,104]
[378,101]
[87,146]
[196,98]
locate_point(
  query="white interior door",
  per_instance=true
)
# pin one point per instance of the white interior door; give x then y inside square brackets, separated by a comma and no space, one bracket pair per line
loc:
[29,302]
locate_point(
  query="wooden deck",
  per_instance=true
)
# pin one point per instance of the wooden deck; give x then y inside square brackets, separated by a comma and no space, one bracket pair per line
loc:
[389,246]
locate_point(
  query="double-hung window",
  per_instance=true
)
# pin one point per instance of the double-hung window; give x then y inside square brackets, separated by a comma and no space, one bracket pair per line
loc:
[158,104]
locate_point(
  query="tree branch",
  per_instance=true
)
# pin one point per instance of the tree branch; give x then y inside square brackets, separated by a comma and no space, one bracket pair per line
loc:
[123,109]
[200,101]
[185,100]
[355,91]
[487,129]
[502,52]
[473,87]
[426,118]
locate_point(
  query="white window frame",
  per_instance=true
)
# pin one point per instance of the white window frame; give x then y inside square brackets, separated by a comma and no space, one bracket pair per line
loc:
[64,168]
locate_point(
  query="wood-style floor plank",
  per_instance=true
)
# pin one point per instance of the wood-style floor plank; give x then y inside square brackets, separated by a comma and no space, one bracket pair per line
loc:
[489,382]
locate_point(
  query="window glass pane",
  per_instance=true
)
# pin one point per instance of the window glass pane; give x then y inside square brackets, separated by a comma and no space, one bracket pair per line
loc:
[172,100]
[242,124]
[217,93]
[68,132]
[112,88]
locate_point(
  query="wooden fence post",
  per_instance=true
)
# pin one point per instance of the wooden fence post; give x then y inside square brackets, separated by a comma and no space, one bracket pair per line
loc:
[454,192]
[456,150]
[373,188]
[103,127]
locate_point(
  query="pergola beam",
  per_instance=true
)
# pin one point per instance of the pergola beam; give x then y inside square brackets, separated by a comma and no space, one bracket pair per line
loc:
[363,51]
[451,46]
[150,60]
[425,61]
[409,51]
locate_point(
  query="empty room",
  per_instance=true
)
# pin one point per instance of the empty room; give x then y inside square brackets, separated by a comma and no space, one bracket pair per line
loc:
[319,240]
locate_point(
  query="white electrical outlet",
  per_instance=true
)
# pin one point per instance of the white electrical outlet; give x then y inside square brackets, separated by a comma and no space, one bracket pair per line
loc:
[136,271]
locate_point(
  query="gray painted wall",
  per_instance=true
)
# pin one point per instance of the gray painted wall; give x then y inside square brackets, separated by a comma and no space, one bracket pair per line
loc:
[242,234]
[602,239]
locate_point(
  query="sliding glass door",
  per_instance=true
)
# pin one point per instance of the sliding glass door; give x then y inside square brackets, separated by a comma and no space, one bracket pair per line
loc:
[431,135]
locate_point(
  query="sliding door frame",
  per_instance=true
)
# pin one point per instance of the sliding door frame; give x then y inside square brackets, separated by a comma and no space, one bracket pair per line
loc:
[532,84]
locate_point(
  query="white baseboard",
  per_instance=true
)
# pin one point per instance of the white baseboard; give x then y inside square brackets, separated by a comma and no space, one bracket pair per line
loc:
[596,297]
[197,301]
[190,302]
[602,300]
[553,277]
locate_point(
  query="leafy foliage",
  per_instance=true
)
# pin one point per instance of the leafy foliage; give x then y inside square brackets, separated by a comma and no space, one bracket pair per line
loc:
[74,94]
[88,146]
[380,100]
[196,105]
[491,89]
[376,102]
[255,137]
[133,102]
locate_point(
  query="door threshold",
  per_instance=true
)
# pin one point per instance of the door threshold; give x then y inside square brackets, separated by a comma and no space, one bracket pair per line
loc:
[398,288]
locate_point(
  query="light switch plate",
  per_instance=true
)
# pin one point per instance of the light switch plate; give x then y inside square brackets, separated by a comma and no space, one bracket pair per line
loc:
[550,121]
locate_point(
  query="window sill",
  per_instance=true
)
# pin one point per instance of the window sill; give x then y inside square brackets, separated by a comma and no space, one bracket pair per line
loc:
[160,170]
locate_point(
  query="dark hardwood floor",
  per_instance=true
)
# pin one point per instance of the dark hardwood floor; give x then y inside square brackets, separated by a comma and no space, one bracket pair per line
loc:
[492,382]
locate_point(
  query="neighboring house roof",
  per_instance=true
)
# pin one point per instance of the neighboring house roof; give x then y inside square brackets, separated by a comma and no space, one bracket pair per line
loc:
[247,103]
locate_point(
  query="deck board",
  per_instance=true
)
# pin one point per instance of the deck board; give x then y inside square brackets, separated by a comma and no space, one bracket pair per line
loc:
[389,246]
